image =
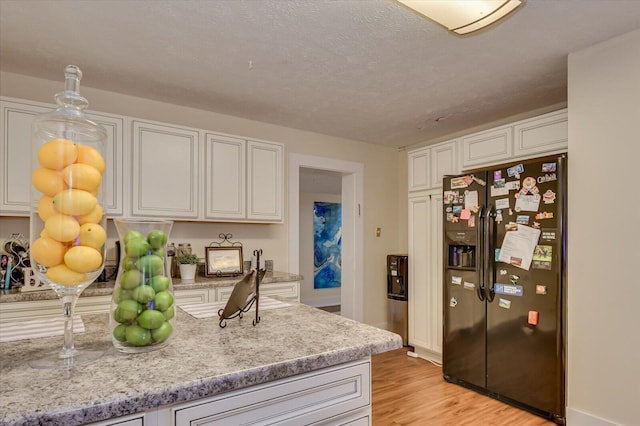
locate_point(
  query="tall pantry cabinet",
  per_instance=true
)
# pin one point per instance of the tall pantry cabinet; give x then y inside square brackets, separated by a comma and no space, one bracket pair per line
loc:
[529,138]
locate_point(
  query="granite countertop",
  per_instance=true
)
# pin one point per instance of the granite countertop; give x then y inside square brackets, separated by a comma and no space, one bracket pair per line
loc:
[106,288]
[202,360]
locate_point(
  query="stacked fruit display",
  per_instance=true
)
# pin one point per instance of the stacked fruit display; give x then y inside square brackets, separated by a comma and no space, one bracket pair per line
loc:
[142,307]
[70,246]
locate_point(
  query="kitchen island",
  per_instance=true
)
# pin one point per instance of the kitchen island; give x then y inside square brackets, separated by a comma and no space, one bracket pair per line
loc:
[298,364]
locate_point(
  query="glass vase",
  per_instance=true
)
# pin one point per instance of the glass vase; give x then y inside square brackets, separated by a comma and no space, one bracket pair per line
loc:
[142,316]
[67,222]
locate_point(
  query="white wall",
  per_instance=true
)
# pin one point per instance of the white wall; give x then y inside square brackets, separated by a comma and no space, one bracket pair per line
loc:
[309,295]
[603,235]
[380,178]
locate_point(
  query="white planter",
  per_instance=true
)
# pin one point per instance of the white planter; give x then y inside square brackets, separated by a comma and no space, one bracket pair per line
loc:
[188,272]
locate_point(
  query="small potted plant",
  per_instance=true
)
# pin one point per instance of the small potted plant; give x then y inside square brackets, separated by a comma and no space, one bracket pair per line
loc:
[188,263]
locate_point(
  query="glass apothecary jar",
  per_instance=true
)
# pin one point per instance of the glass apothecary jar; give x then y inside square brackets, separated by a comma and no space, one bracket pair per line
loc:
[67,222]
[143,314]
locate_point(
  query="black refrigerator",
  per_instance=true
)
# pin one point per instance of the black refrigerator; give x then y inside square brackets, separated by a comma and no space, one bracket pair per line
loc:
[504,283]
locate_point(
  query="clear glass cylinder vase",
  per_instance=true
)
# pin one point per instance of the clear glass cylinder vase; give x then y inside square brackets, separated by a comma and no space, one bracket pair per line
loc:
[143,313]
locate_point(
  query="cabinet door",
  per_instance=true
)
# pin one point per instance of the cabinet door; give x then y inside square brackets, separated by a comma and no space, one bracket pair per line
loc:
[418,166]
[165,170]
[15,165]
[114,157]
[425,273]
[488,147]
[15,162]
[444,161]
[544,134]
[264,181]
[419,276]
[434,255]
[225,177]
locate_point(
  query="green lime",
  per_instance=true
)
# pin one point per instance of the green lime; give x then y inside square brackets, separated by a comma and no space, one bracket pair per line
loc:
[129,263]
[119,333]
[169,313]
[160,283]
[162,301]
[157,239]
[143,294]
[137,247]
[127,311]
[150,319]
[137,336]
[158,252]
[131,279]
[132,235]
[120,294]
[162,333]
[150,265]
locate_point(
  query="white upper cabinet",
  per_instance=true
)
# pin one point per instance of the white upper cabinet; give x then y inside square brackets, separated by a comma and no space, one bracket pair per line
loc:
[264,181]
[444,161]
[418,165]
[428,165]
[15,163]
[164,170]
[225,188]
[488,147]
[542,135]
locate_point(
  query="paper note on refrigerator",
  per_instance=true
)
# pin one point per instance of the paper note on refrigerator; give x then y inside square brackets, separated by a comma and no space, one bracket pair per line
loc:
[518,246]
[527,203]
[471,200]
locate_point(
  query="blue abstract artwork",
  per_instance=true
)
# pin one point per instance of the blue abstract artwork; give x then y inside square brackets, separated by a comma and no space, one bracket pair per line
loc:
[327,245]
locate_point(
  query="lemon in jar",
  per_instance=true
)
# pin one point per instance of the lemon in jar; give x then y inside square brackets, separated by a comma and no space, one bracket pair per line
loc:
[47,251]
[61,227]
[92,235]
[75,202]
[89,155]
[57,154]
[46,208]
[94,216]
[60,274]
[83,259]
[47,181]
[82,176]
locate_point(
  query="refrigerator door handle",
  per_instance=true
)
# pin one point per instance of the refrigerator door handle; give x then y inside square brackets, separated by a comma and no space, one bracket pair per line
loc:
[489,255]
[480,289]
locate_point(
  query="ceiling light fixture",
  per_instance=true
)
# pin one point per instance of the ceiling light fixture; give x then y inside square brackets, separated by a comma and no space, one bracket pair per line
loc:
[463,16]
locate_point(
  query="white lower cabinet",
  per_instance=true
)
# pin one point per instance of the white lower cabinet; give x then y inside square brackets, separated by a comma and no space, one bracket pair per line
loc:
[286,290]
[425,275]
[334,395]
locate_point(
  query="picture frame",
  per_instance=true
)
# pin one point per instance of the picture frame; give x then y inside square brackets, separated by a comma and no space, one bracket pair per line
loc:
[223,261]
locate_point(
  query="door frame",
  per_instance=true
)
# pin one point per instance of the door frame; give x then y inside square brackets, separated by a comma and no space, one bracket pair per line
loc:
[351,293]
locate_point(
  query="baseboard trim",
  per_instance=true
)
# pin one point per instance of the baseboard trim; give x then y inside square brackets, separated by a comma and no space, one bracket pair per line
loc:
[579,418]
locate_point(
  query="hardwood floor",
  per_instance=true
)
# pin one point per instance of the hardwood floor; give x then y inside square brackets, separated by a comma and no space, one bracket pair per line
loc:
[411,391]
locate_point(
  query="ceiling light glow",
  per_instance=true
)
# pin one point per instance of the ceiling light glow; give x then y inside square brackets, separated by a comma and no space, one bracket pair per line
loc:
[463,16]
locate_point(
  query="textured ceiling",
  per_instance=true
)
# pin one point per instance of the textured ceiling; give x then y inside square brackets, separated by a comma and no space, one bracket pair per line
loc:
[369,70]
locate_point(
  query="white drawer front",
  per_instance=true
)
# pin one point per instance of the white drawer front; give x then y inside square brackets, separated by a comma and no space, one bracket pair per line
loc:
[304,399]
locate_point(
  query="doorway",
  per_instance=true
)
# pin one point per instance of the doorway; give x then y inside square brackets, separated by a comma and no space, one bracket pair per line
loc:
[351,290]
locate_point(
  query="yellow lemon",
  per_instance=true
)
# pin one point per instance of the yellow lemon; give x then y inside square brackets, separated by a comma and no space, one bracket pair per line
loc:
[91,156]
[75,202]
[46,208]
[62,228]
[94,216]
[82,259]
[57,154]
[82,176]
[92,235]
[47,181]
[48,252]
[60,274]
